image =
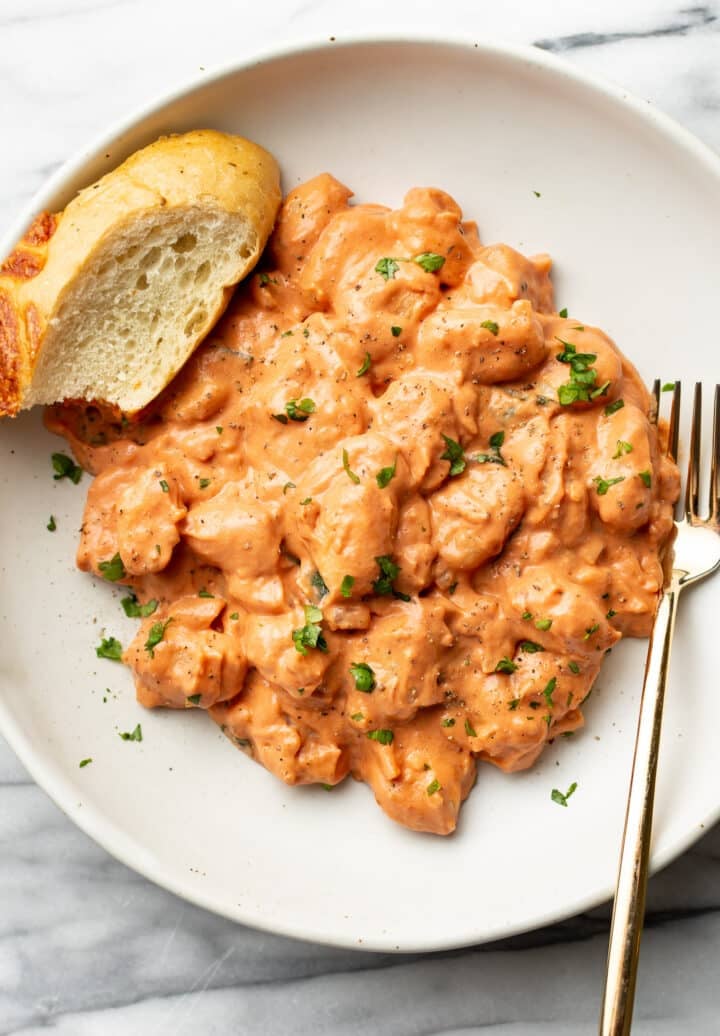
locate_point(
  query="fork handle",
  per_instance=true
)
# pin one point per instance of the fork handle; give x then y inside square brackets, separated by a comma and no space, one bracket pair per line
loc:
[629,907]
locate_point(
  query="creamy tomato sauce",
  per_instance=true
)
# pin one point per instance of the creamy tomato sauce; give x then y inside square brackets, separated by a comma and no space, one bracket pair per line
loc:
[393,512]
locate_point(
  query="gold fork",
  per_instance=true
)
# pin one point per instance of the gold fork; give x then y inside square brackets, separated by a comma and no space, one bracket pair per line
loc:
[697,555]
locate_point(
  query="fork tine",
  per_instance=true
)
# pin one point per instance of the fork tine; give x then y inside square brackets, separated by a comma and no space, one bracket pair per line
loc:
[655,413]
[715,460]
[693,478]
[674,429]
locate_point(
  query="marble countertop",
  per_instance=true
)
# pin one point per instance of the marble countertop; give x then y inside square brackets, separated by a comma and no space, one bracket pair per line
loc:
[87,947]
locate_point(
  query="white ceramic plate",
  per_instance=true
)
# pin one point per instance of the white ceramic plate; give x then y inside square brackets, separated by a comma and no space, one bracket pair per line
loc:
[629,208]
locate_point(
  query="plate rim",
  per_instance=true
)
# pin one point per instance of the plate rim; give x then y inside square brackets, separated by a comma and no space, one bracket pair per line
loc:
[48,776]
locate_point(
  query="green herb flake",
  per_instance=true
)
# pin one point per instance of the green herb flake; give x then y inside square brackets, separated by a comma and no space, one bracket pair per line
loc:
[548,691]
[234,616]
[386,475]
[164,486]
[494,457]
[646,478]
[84,762]
[447,722]
[365,366]
[348,582]
[282,418]
[300,410]
[513,704]
[194,699]
[134,735]
[363,676]
[622,449]
[387,268]
[526,615]
[531,647]
[455,454]
[156,634]
[110,648]
[113,569]
[357,717]
[669,386]
[395,331]
[134,610]
[52,524]
[563,314]
[320,585]
[434,786]
[490,326]
[430,262]
[288,485]
[611,614]
[581,387]
[310,635]
[537,194]
[202,592]
[383,585]
[590,630]
[470,729]
[560,798]
[286,334]
[543,624]
[452,588]
[505,665]
[203,483]
[603,484]
[574,667]
[346,465]
[384,737]
[612,408]
[65,467]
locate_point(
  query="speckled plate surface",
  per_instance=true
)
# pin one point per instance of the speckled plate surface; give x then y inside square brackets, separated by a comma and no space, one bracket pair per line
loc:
[629,207]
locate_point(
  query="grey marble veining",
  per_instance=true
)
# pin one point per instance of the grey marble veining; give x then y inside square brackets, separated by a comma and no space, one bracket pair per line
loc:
[89,948]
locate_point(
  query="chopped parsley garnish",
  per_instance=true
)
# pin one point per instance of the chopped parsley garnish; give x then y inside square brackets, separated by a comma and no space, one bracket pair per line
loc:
[266,279]
[134,735]
[387,267]
[557,796]
[234,615]
[455,454]
[113,569]
[348,471]
[490,326]
[395,331]
[603,484]
[286,334]
[52,524]
[622,448]
[348,582]
[613,407]
[84,762]
[505,665]
[109,647]
[434,786]
[134,610]
[452,588]
[306,332]
[469,729]
[574,667]
[646,478]
[526,615]
[357,717]
[219,429]
[164,486]
[156,634]
[385,737]
[543,624]
[203,483]
[363,676]
[202,592]
[548,692]
[611,614]
[431,262]
[64,467]
[447,722]
[590,630]
[386,475]
[307,500]
[563,314]
[288,485]
[194,699]
[282,418]
[365,366]
[310,635]
[320,585]
[537,194]
[669,386]
[383,585]
[583,376]
[300,410]
[513,704]
[494,457]
[530,647]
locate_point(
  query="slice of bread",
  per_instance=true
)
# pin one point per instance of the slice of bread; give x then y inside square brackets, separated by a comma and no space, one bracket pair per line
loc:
[107,300]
